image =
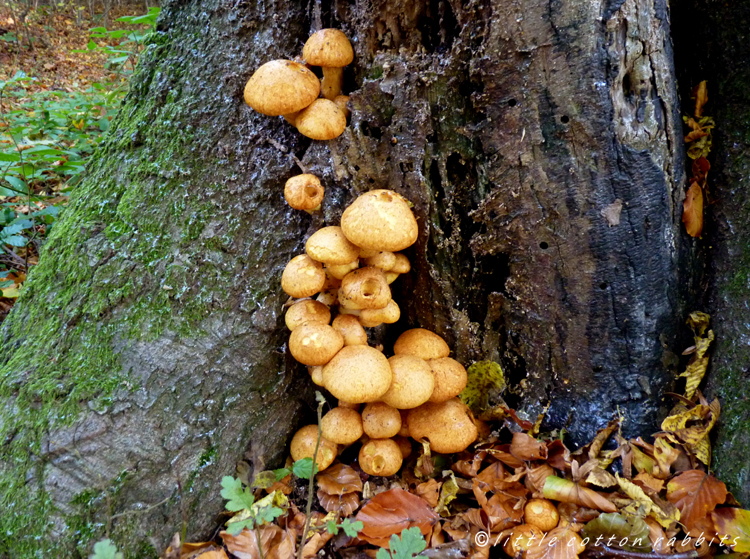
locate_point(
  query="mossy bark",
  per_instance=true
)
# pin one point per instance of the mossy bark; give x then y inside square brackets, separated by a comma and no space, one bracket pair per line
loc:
[539,143]
[716,51]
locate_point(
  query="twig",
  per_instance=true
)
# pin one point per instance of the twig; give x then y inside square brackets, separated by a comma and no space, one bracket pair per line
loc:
[321,403]
[606,552]
[260,543]
[283,149]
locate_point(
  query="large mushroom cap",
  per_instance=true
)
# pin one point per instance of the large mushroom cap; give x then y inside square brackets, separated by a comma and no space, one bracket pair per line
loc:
[358,374]
[447,425]
[281,87]
[421,343]
[329,245]
[329,48]
[321,120]
[380,220]
[412,384]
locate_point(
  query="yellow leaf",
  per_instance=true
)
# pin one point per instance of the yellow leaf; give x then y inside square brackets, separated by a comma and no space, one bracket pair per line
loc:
[664,514]
[11,292]
[448,492]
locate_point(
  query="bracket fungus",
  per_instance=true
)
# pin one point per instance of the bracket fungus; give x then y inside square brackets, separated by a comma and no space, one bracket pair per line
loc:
[331,50]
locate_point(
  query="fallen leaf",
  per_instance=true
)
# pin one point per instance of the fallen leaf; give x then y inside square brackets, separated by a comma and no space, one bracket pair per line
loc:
[700,94]
[666,516]
[391,512]
[601,478]
[315,544]
[558,455]
[736,524]
[448,493]
[665,455]
[645,480]
[559,489]
[525,447]
[429,491]
[213,554]
[633,530]
[692,210]
[483,377]
[695,494]
[659,540]
[560,543]
[535,477]
[245,545]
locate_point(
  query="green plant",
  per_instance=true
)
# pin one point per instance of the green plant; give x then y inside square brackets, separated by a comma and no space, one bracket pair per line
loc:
[105,549]
[251,513]
[410,543]
[350,528]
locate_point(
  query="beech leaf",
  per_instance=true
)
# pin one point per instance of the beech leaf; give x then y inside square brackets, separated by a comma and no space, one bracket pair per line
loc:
[339,479]
[559,489]
[560,543]
[735,523]
[391,512]
[695,494]
[633,529]
[525,447]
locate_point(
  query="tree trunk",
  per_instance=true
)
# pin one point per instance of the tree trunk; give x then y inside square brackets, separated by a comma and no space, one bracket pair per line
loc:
[540,144]
[716,50]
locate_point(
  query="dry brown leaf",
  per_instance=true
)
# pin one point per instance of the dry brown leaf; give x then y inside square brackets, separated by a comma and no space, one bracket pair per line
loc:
[601,437]
[525,447]
[601,478]
[429,491]
[700,168]
[391,512]
[213,554]
[315,544]
[659,540]
[471,465]
[245,545]
[695,494]
[665,455]
[339,479]
[645,480]
[560,543]
[558,455]
[700,94]
[664,515]
[559,489]
[502,453]
[493,475]
[285,548]
[692,210]
[735,523]
[535,477]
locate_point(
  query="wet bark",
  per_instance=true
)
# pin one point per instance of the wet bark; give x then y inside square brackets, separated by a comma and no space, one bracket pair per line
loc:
[716,51]
[540,144]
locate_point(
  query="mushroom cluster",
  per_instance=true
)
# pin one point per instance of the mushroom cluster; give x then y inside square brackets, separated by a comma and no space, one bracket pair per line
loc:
[290,89]
[339,287]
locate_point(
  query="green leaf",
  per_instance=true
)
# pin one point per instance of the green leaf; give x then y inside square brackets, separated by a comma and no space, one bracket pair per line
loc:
[238,497]
[281,473]
[303,468]
[331,526]
[15,241]
[483,377]
[633,529]
[234,528]
[105,549]
[17,184]
[351,528]
[410,544]
[268,514]
[10,157]
[264,480]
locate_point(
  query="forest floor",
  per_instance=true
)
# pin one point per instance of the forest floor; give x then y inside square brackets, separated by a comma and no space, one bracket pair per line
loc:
[60,86]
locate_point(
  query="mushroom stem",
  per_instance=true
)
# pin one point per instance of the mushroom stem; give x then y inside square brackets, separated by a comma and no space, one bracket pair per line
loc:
[291,118]
[332,82]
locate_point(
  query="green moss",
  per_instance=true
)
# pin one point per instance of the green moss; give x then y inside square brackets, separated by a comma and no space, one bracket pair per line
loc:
[376,72]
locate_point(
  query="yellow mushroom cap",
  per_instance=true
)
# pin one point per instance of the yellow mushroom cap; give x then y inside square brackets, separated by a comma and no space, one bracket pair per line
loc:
[349,327]
[358,374]
[541,513]
[364,288]
[447,425]
[281,87]
[303,277]
[412,384]
[303,446]
[384,260]
[329,245]
[380,457]
[518,542]
[450,378]
[321,120]
[369,318]
[381,421]
[304,192]
[342,425]
[380,220]
[314,343]
[422,343]
[329,48]
[402,265]
[306,311]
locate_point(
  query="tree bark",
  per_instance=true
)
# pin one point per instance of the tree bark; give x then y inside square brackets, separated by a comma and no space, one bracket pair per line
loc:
[540,144]
[716,51]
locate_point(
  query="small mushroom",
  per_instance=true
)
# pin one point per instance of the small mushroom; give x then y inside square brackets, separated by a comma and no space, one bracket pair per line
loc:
[380,457]
[281,87]
[315,344]
[380,220]
[402,265]
[306,310]
[364,288]
[450,378]
[316,374]
[340,270]
[331,50]
[381,421]
[321,120]
[303,446]
[342,425]
[541,513]
[422,343]
[412,382]
[349,327]
[384,260]
[370,318]
[303,277]
[329,245]
[521,539]
[304,192]
[404,444]
[342,102]
[358,374]
[448,426]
